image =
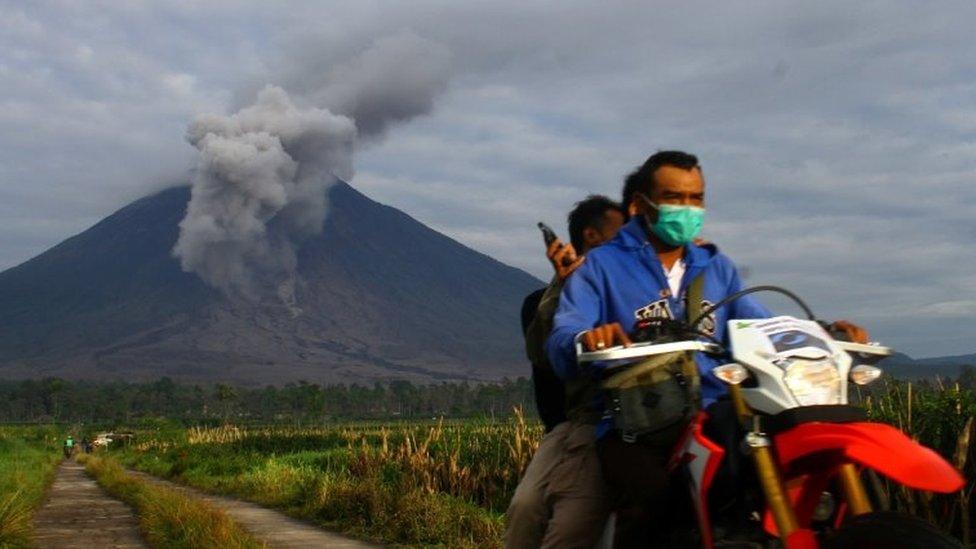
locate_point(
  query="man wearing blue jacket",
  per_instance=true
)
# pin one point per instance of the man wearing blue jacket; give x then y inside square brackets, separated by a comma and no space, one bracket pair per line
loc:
[643,273]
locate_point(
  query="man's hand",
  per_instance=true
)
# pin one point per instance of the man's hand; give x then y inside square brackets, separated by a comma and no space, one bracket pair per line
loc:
[854,332]
[601,337]
[563,258]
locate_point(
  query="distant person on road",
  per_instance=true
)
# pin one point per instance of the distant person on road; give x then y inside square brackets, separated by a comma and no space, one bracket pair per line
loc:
[592,222]
[69,446]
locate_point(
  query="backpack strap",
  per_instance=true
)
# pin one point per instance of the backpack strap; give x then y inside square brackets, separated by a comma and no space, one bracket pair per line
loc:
[696,291]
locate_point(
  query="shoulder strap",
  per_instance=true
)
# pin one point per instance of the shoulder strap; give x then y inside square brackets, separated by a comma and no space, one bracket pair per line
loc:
[693,307]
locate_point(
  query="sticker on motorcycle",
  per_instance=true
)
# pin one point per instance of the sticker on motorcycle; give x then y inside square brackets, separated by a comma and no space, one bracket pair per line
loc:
[788,336]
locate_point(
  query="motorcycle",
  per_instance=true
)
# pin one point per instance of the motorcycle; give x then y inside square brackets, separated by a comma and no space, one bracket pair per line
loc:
[788,384]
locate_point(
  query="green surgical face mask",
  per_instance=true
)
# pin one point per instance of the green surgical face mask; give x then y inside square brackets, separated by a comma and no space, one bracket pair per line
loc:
[676,225]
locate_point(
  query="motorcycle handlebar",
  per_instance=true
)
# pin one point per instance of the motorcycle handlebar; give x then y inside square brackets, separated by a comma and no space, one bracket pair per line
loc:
[640,350]
[729,299]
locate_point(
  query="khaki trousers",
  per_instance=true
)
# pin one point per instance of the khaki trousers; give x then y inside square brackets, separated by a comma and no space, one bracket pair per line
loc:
[561,500]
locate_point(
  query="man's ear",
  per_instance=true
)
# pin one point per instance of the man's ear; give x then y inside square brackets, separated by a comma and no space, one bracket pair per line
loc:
[632,209]
[639,206]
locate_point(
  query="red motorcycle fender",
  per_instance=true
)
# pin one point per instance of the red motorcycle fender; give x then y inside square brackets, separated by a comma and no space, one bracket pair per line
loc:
[874,445]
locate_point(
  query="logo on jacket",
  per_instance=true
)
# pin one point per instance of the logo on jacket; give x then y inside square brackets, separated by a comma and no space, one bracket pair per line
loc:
[654,310]
[661,309]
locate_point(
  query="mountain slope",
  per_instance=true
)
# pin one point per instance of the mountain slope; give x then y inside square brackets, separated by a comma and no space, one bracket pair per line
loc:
[381,296]
[904,367]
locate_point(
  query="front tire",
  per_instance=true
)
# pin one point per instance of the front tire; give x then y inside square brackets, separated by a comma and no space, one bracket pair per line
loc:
[888,530]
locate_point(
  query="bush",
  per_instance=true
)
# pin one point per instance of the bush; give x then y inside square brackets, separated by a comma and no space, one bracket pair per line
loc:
[168,518]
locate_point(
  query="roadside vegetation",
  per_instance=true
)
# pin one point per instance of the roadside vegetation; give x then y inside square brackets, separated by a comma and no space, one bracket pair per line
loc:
[29,457]
[939,415]
[168,518]
[447,482]
[413,483]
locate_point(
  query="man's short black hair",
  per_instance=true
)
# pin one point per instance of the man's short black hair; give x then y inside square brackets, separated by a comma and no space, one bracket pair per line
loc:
[641,180]
[589,212]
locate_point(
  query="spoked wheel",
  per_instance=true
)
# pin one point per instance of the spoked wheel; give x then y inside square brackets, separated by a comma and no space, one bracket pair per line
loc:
[888,530]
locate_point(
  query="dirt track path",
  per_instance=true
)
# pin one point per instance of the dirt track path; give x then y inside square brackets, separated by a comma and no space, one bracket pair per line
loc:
[274,528]
[78,513]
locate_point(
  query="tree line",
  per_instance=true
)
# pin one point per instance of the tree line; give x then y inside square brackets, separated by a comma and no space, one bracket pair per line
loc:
[60,400]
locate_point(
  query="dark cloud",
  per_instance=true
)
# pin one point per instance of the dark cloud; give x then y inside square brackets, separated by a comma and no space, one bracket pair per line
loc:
[839,139]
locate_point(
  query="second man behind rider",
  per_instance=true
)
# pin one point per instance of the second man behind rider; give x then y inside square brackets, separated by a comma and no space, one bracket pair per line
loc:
[545,509]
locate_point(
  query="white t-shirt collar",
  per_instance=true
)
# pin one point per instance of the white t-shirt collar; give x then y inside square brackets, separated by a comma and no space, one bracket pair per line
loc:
[675,275]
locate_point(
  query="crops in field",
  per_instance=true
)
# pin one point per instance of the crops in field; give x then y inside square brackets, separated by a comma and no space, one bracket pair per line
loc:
[449,482]
[415,483]
[28,459]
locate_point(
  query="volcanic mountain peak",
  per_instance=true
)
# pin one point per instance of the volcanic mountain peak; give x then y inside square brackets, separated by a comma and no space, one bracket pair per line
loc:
[378,296]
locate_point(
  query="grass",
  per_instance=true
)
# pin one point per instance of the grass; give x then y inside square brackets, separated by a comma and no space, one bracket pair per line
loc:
[940,416]
[410,483]
[28,461]
[448,483]
[169,518]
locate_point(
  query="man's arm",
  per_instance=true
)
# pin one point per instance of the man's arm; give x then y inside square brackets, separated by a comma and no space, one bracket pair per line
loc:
[564,261]
[541,325]
[578,311]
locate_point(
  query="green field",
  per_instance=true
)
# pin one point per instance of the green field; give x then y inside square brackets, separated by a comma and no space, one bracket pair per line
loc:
[413,483]
[28,459]
[432,482]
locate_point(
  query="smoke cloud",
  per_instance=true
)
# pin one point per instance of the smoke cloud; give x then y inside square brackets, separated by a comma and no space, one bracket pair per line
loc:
[262,174]
[394,81]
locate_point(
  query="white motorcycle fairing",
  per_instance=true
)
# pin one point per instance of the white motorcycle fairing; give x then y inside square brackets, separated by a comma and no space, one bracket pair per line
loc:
[769,347]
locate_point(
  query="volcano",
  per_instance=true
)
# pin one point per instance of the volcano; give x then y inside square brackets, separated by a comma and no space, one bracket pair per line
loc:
[380,296]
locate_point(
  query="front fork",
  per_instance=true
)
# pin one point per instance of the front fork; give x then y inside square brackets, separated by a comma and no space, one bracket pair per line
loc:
[772,481]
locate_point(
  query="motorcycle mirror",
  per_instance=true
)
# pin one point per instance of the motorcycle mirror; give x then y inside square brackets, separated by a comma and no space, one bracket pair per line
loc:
[731,373]
[862,374]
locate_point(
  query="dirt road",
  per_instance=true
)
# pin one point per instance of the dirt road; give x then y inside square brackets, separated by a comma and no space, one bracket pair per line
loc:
[78,513]
[274,528]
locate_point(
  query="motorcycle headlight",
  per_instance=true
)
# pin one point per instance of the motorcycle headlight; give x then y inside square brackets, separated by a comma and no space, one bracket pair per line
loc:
[813,382]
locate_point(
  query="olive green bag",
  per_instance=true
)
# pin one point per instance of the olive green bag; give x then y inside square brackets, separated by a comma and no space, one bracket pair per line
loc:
[657,396]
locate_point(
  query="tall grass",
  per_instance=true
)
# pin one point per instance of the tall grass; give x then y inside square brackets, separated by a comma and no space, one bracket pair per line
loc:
[168,518]
[940,416]
[448,482]
[415,483]
[28,461]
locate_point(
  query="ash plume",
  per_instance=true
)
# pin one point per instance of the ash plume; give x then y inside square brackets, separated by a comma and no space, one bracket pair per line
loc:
[393,81]
[271,161]
[262,174]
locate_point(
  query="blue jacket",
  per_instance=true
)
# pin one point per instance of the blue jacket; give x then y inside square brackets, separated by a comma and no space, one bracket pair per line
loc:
[623,281]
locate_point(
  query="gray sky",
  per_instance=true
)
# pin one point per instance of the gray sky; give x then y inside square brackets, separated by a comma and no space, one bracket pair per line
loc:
[838,139]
